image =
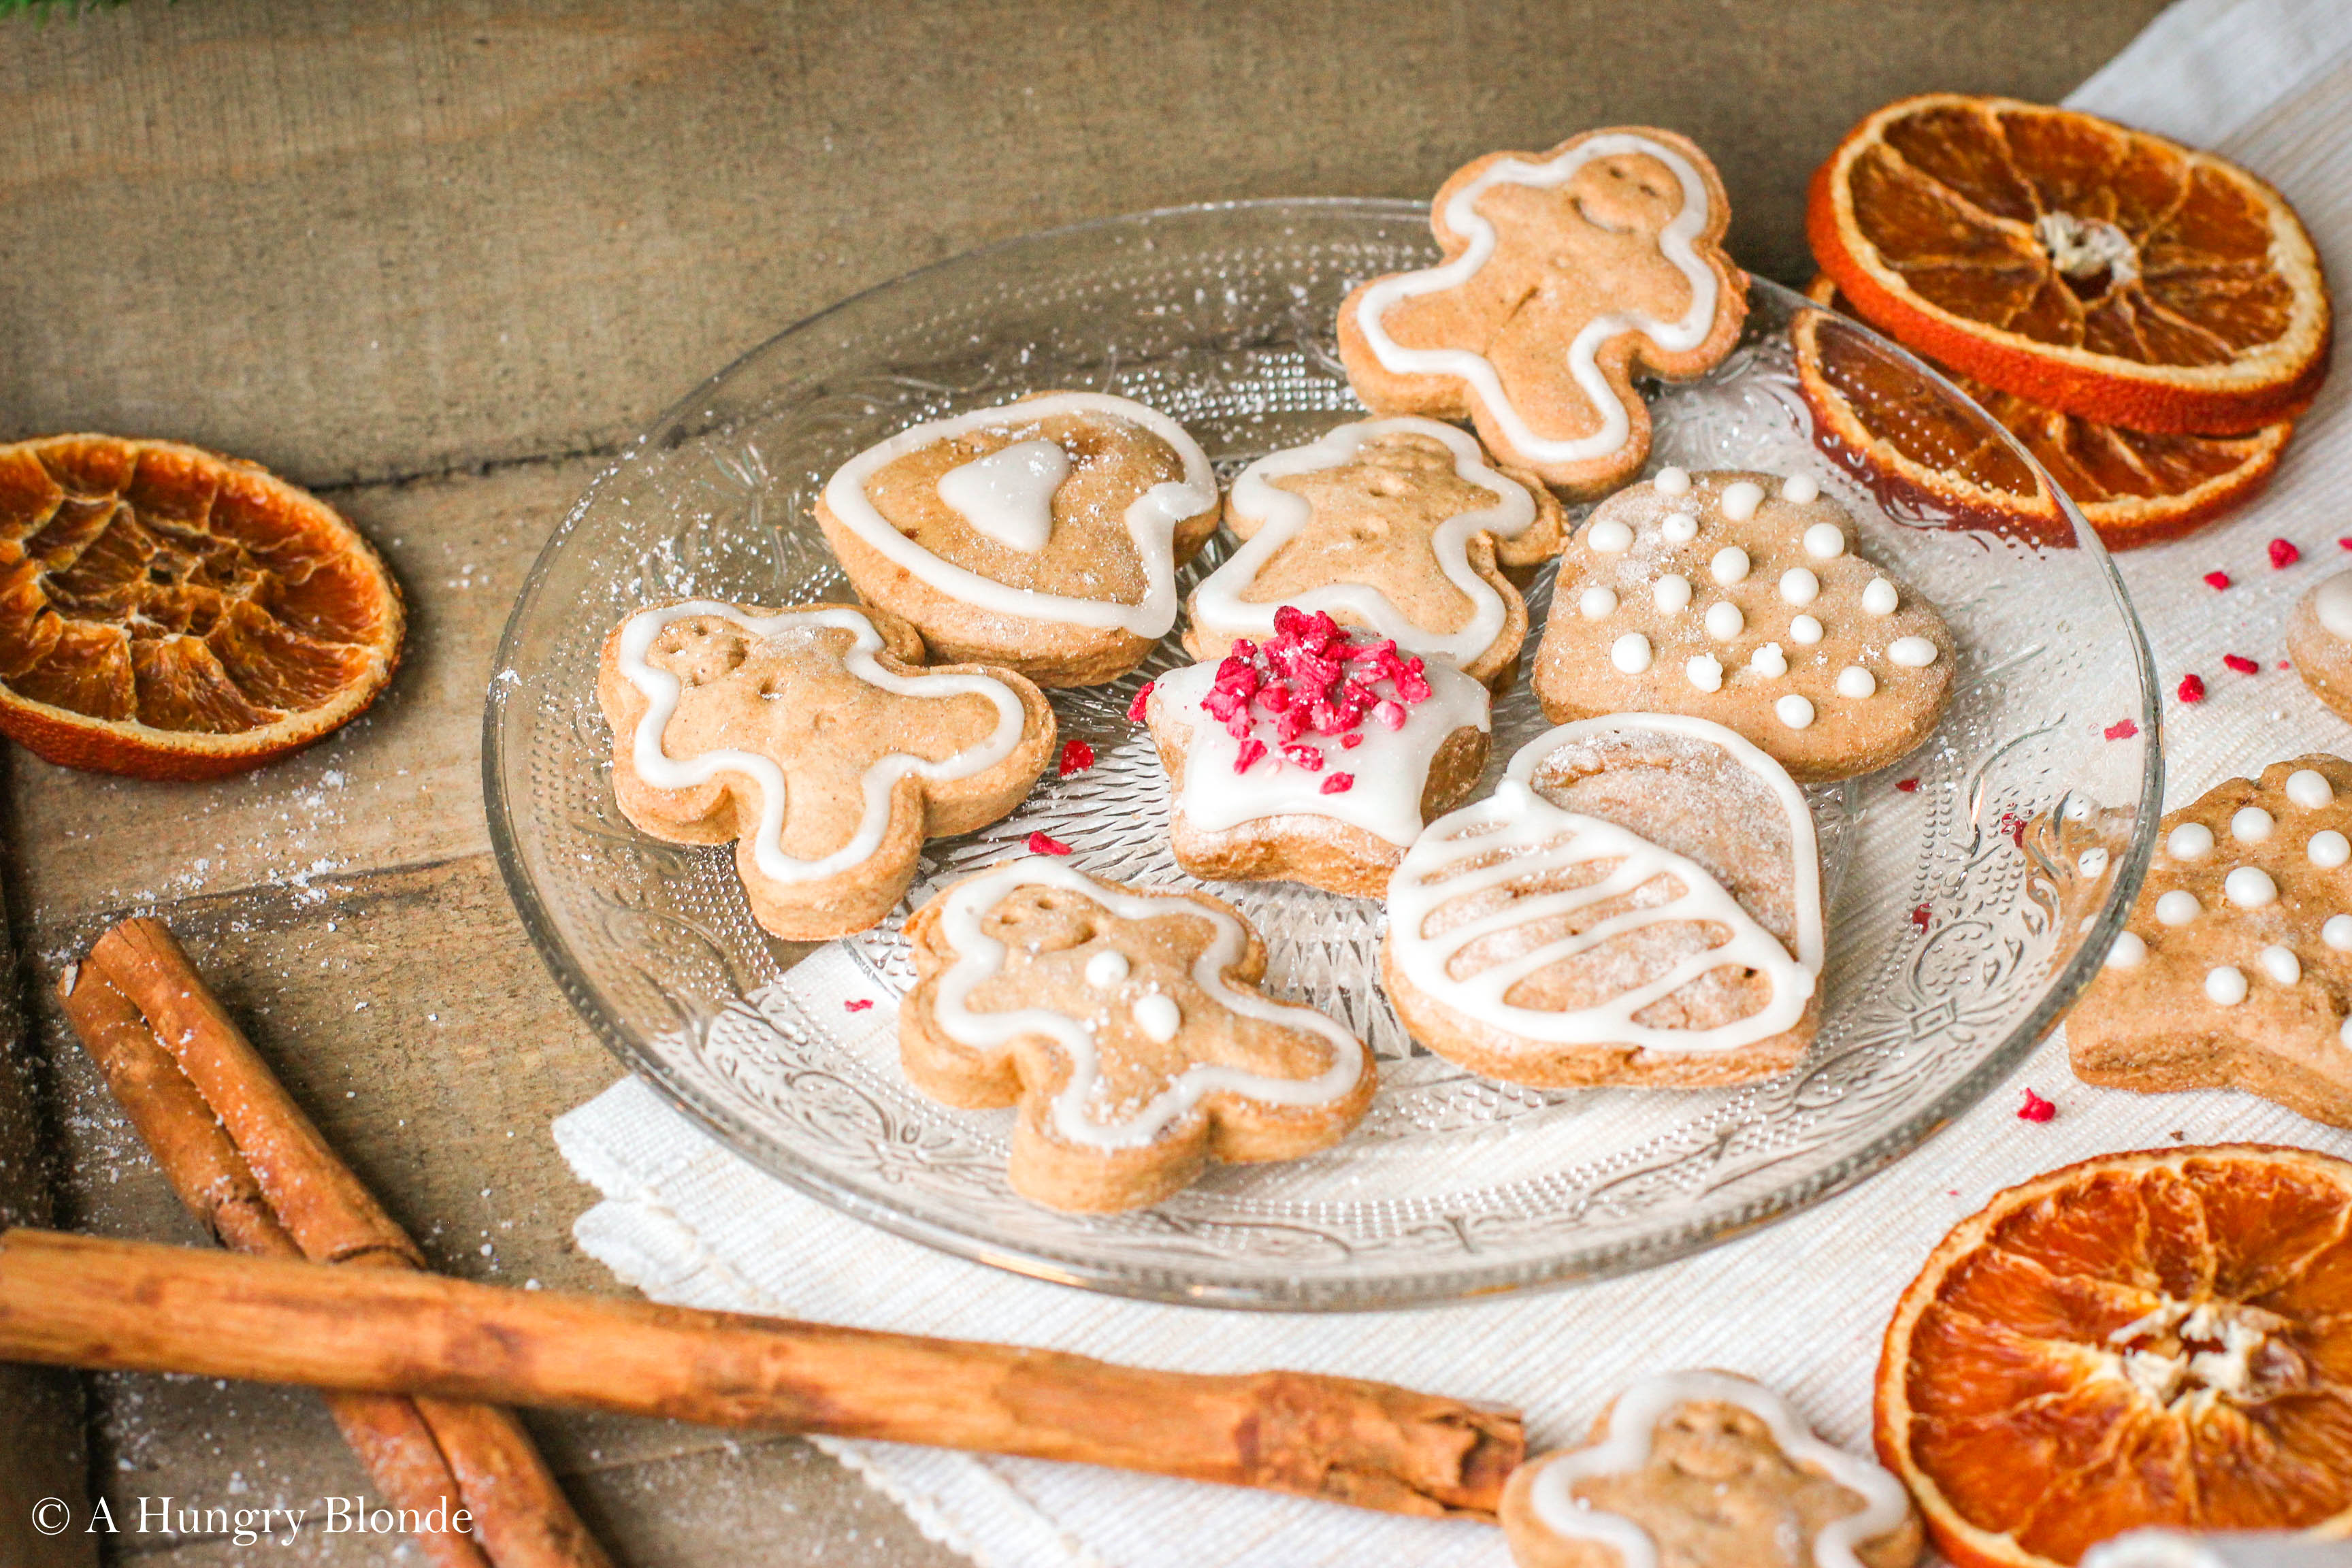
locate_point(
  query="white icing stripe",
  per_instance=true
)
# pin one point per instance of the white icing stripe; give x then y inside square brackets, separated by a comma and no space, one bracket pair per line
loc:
[662,691]
[1633,1432]
[1218,605]
[1583,354]
[1151,518]
[1546,838]
[1390,767]
[980,957]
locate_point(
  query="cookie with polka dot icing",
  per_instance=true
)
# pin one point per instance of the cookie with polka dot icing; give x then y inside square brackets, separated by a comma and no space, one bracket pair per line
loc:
[1127,1028]
[1043,536]
[1638,902]
[1706,1470]
[1401,527]
[1743,597]
[2235,970]
[2319,641]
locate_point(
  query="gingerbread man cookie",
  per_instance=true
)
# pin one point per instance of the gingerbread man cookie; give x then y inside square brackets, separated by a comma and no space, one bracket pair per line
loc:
[1740,597]
[1128,1028]
[1639,902]
[1705,1469]
[813,740]
[2235,970]
[1043,535]
[1314,758]
[1565,273]
[1396,526]
[2319,641]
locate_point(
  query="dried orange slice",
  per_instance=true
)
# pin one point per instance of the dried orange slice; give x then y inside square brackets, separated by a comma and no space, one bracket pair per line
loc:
[2153,1339]
[2134,488]
[168,613]
[2093,269]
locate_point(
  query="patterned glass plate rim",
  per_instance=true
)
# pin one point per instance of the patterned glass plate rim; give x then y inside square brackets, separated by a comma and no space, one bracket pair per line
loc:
[1198,1266]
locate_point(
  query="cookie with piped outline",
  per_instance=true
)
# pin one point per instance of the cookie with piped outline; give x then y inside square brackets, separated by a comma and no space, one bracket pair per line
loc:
[1740,597]
[2319,641]
[1043,536]
[2235,969]
[1564,275]
[815,740]
[1128,1028]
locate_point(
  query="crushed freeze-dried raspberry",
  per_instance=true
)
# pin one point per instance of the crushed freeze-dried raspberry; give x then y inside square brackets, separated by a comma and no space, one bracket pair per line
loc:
[1251,750]
[2284,554]
[2345,541]
[2035,1109]
[1135,709]
[2192,689]
[1310,678]
[1921,916]
[1077,757]
[1906,786]
[1390,714]
[2121,729]
[857,1005]
[1041,844]
[2217,579]
[1351,740]
[1339,784]
[1308,757]
[2242,664]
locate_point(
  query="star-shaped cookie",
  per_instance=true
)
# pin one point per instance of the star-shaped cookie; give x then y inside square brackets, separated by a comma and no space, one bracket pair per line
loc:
[2235,970]
[813,738]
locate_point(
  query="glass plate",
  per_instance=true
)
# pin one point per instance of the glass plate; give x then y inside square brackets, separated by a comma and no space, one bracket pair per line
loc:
[1954,940]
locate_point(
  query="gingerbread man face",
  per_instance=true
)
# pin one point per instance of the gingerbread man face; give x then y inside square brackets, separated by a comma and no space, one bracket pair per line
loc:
[1396,526]
[2236,968]
[1563,275]
[1128,1029]
[811,738]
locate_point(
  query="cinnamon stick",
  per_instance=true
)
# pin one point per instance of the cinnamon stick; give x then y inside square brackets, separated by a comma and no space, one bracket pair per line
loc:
[123,1305]
[259,1174]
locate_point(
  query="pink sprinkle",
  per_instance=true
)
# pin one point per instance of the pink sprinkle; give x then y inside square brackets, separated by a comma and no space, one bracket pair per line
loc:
[1041,844]
[1308,757]
[2217,579]
[1339,784]
[1251,750]
[2284,554]
[2192,689]
[1077,757]
[2016,828]
[857,1004]
[2035,1109]
[1921,916]
[2346,543]
[2121,729]
[1906,786]
[2242,664]
[1135,709]
[1351,740]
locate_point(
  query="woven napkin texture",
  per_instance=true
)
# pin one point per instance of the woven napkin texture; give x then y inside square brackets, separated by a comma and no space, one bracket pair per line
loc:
[1800,1305]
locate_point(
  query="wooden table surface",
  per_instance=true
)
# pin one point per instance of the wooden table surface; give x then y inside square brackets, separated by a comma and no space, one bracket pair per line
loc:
[437,260]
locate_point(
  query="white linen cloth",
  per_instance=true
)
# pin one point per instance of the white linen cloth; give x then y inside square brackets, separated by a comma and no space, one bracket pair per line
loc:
[1801,1304]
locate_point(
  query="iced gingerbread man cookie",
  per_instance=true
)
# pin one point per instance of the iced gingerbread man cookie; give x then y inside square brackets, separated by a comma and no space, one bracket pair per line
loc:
[1127,1028]
[1043,535]
[1314,757]
[1639,902]
[1397,526]
[1566,273]
[2319,641]
[813,738]
[2235,970]
[1704,1469]
[1740,597]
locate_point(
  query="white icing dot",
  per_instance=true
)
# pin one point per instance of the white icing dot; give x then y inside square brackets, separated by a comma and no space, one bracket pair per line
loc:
[1705,672]
[1672,482]
[1672,592]
[2329,850]
[1794,710]
[1609,536]
[2225,986]
[1723,621]
[1729,565]
[1856,682]
[1597,603]
[1880,598]
[1912,653]
[1158,1017]
[2129,952]
[1769,660]
[1740,500]
[1801,488]
[1804,631]
[1106,969]
[2281,965]
[1799,587]
[2251,825]
[2079,809]
[1630,653]
[2249,887]
[2091,862]
[2309,789]
[1825,541]
[2179,907]
[2338,932]
[2343,1031]
[1680,528]
[2189,841]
